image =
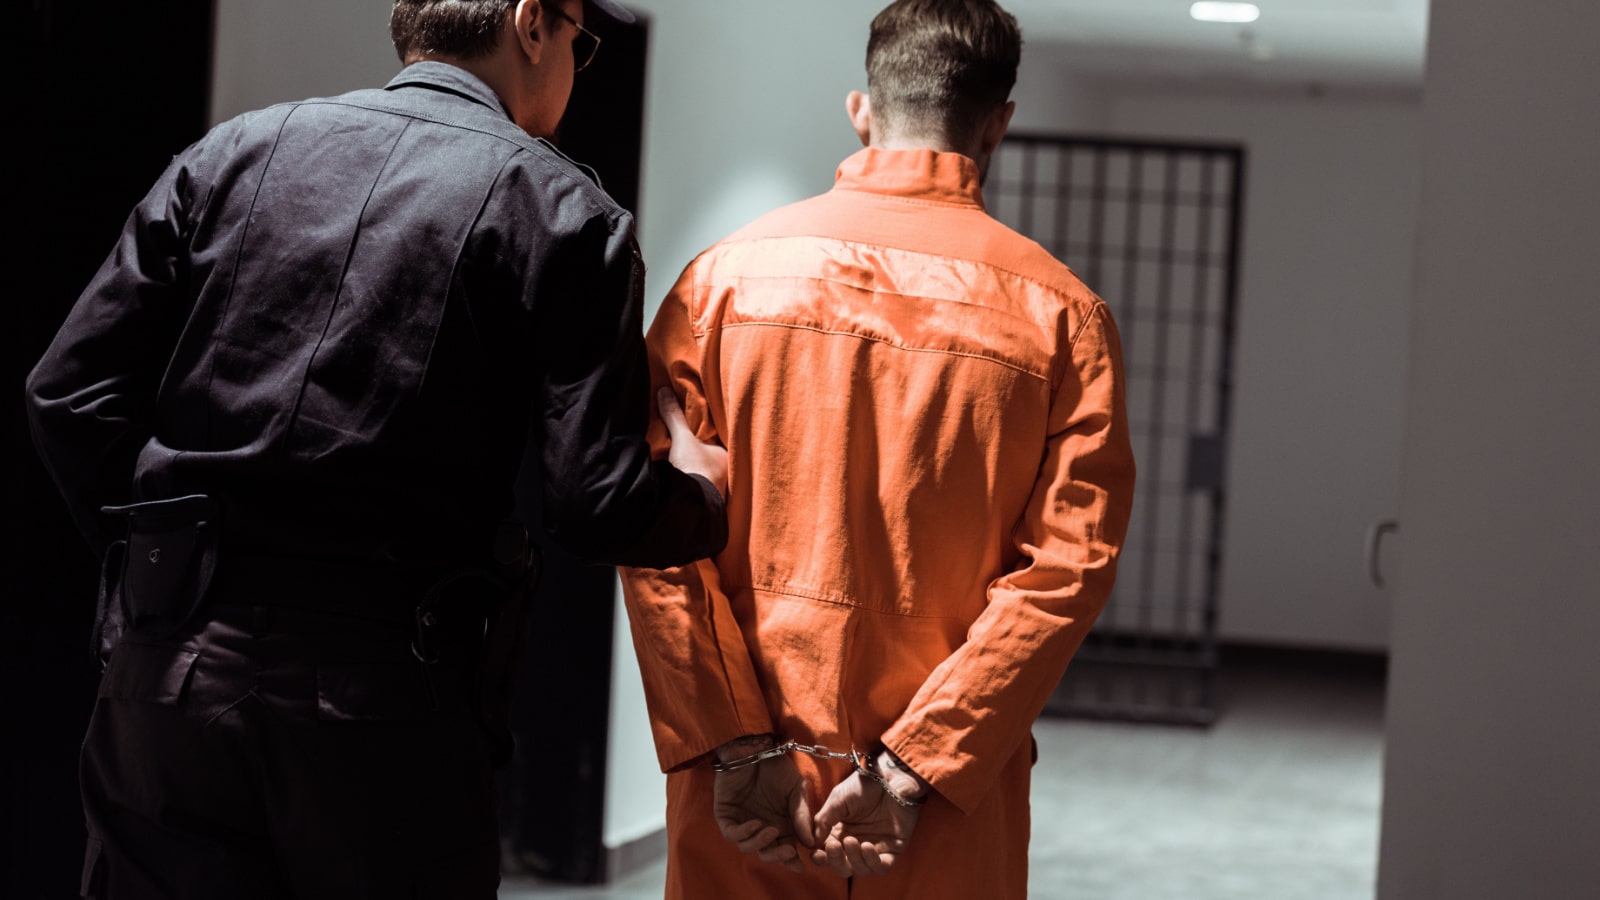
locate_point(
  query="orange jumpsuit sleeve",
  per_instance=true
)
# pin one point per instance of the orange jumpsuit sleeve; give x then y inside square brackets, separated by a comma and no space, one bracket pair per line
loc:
[700,685]
[975,709]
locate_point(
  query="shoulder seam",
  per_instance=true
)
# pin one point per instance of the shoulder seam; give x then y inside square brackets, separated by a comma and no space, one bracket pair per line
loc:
[532,146]
[1053,288]
[1095,309]
[816,329]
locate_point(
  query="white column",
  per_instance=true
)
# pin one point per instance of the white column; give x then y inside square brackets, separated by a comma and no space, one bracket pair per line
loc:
[1493,763]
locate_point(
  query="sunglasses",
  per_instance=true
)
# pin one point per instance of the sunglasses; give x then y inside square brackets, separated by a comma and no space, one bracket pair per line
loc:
[584,45]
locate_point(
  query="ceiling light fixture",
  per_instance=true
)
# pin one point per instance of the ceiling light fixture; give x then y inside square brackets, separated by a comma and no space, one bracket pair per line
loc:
[1232,13]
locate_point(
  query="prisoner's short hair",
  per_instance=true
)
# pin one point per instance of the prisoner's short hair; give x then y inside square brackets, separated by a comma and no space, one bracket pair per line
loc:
[459,29]
[937,67]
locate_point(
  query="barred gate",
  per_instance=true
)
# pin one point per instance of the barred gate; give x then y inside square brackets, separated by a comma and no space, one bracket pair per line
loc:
[1154,229]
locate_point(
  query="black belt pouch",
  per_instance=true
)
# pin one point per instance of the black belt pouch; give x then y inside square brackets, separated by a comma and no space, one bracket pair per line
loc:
[168,563]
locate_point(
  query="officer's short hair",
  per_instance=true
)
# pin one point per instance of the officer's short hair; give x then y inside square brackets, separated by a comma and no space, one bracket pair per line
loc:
[459,29]
[941,65]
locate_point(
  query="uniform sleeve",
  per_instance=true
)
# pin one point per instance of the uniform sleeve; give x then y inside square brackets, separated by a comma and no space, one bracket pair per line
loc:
[976,708]
[605,498]
[91,398]
[700,685]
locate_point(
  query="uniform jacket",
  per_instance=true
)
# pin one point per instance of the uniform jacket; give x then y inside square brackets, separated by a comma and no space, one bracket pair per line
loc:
[931,478]
[344,316]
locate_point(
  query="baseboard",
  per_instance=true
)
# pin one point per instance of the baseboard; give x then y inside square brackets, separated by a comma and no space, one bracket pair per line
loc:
[635,855]
[1246,654]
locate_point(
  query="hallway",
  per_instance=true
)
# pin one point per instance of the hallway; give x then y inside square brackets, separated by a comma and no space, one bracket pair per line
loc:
[1278,801]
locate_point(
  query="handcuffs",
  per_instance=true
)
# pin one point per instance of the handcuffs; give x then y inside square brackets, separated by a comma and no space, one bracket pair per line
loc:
[865,763]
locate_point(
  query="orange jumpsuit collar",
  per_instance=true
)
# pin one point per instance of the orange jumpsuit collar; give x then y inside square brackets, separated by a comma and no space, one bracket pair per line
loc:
[923,174]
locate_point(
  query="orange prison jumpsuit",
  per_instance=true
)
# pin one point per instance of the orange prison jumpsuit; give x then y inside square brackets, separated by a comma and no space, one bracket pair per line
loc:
[930,481]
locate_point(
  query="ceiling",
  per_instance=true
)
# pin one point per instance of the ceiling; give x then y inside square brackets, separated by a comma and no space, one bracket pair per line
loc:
[1362,45]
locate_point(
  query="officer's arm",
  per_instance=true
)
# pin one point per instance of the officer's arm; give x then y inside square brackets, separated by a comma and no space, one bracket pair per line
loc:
[91,398]
[605,498]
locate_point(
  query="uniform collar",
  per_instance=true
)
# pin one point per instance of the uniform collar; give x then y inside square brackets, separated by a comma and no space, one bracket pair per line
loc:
[923,174]
[442,76]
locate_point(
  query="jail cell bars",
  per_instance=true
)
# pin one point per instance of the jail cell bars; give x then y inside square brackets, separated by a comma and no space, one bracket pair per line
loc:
[1153,228]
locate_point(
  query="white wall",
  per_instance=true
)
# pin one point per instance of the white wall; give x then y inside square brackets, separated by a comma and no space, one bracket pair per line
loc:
[271,52]
[1331,192]
[745,112]
[636,800]
[1320,365]
[1051,99]
[1492,781]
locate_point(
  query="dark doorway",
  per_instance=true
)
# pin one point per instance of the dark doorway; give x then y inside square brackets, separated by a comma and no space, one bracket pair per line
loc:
[108,94]
[553,793]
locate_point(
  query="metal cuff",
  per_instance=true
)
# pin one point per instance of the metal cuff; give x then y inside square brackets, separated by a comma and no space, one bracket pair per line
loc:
[868,766]
[718,765]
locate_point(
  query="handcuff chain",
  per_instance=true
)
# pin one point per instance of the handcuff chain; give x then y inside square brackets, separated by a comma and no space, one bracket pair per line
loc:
[822,752]
[859,761]
[853,757]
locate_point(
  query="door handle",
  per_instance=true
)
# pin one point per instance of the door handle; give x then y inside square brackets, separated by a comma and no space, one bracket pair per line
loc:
[1375,535]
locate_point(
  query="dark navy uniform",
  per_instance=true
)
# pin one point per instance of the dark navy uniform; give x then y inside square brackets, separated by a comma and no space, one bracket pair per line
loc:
[340,321]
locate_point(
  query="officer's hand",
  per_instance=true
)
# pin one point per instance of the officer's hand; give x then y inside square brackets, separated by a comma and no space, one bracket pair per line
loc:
[861,830]
[688,452]
[762,808]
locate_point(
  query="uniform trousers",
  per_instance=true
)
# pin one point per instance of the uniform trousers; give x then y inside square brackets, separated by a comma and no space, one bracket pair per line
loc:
[268,752]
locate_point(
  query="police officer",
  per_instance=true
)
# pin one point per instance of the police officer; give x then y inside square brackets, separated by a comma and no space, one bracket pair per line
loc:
[288,413]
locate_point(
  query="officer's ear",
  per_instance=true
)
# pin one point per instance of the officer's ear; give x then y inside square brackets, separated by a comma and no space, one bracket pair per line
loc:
[527,18]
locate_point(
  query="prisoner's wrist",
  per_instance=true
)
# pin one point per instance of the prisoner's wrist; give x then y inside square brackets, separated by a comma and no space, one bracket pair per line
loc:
[900,778]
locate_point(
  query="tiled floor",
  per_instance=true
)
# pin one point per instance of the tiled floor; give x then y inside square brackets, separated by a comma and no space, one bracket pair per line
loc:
[1277,801]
